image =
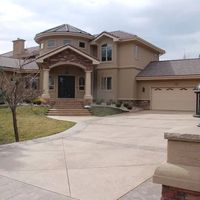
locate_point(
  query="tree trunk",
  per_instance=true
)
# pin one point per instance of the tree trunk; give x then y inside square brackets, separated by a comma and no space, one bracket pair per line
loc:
[14,116]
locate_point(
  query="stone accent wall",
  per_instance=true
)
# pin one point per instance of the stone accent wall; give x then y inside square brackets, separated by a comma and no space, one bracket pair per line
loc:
[69,56]
[145,104]
[172,193]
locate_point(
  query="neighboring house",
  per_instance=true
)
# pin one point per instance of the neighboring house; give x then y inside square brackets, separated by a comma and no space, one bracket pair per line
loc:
[110,66]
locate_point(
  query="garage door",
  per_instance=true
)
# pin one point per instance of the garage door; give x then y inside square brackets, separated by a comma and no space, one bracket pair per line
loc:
[173,99]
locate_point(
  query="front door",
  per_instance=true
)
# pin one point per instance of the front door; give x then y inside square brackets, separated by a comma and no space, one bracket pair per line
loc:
[66,86]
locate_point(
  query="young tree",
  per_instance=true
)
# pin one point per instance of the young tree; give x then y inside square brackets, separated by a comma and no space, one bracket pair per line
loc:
[16,87]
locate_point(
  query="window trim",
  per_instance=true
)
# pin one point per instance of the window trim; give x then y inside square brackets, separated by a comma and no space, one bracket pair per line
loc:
[50,46]
[106,46]
[81,85]
[83,42]
[69,41]
[52,85]
[105,87]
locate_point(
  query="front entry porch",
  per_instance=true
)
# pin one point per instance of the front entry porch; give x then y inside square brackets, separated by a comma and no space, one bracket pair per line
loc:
[67,74]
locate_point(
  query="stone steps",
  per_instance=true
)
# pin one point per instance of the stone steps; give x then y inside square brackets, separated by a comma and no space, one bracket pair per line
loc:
[68,107]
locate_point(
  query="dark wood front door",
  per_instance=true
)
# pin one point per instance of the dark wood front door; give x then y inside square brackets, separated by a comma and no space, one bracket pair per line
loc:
[66,86]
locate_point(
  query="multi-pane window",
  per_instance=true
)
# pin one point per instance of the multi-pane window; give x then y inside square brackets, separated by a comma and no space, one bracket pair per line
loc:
[106,52]
[106,83]
[66,41]
[51,43]
[51,82]
[82,44]
[81,83]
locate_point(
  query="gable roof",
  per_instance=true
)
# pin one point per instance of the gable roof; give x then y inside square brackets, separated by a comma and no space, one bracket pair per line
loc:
[41,58]
[121,36]
[184,67]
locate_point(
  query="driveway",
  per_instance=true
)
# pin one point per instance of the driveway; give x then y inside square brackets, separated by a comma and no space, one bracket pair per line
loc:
[104,158]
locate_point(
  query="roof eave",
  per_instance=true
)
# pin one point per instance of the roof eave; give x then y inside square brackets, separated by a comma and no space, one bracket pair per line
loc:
[136,38]
[115,39]
[39,36]
[175,77]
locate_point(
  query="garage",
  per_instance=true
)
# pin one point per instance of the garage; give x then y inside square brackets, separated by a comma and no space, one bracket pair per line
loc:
[170,98]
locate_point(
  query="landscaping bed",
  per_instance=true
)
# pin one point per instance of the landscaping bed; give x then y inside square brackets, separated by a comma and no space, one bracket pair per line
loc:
[32,123]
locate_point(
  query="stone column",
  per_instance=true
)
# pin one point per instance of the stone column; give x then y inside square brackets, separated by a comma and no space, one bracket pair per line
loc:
[180,175]
[45,85]
[88,87]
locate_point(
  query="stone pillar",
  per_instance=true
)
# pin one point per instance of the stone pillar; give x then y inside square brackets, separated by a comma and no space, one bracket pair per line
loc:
[180,175]
[45,85]
[88,87]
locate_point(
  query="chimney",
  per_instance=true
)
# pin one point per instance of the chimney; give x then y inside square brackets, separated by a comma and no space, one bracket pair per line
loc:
[18,48]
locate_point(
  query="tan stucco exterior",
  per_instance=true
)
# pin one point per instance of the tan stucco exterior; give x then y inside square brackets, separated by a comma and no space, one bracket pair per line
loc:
[129,57]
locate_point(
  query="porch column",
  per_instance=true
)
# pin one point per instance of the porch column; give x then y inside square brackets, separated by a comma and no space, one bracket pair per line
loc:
[88,87]
[45,85]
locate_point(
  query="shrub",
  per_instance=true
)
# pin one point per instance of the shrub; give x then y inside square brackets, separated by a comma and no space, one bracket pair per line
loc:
[39,101]
[129,106]
[126,104]
[118,104]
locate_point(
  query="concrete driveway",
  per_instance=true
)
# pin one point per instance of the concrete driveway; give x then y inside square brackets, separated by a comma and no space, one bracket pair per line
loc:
[105,158]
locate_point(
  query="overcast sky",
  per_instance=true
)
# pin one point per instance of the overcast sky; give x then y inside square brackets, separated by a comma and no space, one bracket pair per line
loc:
[173,25]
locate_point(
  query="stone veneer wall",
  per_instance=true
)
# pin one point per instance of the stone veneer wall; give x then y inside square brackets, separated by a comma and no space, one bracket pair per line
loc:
[173,193]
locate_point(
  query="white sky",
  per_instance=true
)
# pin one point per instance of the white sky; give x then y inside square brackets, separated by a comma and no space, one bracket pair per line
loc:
[172,25]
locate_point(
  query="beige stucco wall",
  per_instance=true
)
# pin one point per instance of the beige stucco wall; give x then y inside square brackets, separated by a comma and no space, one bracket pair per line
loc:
[59,42]
[165,83]
[127,84]
[107,94]
[70,71]
[127,57]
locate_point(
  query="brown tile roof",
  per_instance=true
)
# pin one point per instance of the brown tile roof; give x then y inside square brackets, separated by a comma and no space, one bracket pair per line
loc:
[172,68]
[28,52]
[65,28]
[7,62]
[122,35]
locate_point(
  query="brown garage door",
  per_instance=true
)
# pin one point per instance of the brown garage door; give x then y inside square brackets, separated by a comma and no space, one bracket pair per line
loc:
[182,99]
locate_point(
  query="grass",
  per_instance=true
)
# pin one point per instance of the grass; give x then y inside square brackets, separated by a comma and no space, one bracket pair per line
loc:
[102,111]
[32,123]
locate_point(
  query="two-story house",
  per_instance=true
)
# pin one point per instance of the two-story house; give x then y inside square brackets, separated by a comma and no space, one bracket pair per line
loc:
[111,66]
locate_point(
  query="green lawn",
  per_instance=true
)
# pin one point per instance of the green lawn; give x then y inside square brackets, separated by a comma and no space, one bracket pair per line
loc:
[102,111]
[32,123]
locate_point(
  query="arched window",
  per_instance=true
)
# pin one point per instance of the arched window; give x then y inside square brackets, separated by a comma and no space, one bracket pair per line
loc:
[106,52]
[81,83]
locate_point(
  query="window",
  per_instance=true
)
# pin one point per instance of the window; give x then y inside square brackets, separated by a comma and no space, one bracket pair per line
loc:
[66,41]
[82,44]
[42,46]
[51,82]
[106,52]
[136,52]
[31,82]
[81,83]
[106,83]
[51,43]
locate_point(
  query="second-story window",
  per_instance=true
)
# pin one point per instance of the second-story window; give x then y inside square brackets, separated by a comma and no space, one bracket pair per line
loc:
[82,44]
[66,41]
[106,52]
[51,43]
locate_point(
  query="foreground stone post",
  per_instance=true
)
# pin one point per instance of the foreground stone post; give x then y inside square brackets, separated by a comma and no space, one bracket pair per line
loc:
[180,175]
